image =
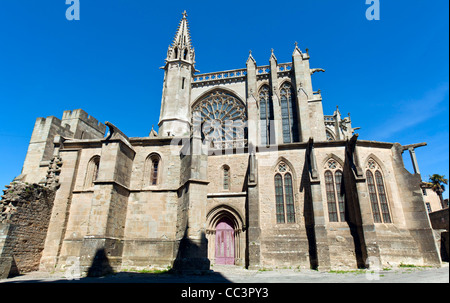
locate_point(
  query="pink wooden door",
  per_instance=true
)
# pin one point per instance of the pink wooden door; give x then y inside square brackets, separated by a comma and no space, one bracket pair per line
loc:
[224,243]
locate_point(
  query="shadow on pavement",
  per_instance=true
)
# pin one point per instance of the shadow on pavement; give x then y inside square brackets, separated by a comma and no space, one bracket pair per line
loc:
[133,277]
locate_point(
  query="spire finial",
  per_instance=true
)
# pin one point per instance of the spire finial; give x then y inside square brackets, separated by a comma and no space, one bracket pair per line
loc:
[182,42]
[250,57]
[296,44]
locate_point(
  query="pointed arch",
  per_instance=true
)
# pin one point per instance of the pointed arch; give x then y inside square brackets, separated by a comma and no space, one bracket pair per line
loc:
[218,88]
[260,85]
[330,135]
[234,219]
[377,161]
[284,82]
[288,163]
[334,157]
[224,211]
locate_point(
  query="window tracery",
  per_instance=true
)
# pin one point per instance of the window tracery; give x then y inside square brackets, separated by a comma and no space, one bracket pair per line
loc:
[377,193]
[289,113]
[222,118]
[333,186]
[284,194]
[266,115]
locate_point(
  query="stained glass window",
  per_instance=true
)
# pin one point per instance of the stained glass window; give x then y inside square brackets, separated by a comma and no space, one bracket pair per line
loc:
[284,194]
[289,114]
[154,172]
[279,198]
[222,118]
[340,197]
[334,193]
[377,193]
[331,198]
[290,213]
[373,197]
[382,197]
[266,115]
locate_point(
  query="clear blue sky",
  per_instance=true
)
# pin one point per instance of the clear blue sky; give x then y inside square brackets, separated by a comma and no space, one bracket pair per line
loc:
[392,75]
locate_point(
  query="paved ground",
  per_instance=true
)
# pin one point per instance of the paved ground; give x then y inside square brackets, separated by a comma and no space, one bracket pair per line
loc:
[231,274]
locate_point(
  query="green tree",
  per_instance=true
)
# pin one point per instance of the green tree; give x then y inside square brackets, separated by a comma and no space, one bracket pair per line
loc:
[437,182]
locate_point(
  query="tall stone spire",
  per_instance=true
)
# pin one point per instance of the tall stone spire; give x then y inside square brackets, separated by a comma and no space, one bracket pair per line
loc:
[174,119]
[181,47]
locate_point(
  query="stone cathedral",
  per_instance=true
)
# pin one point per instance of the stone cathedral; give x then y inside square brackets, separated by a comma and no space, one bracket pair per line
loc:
[245,169]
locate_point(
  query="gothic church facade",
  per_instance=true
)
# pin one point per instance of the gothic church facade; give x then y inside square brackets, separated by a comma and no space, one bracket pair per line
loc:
[245,170]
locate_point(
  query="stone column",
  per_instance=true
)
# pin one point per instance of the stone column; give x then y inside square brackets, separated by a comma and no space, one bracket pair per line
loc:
[252,103]
[192,252]
[314,213]
[414,160]
[368,225]
[304,91]
[276,126]
[253,228]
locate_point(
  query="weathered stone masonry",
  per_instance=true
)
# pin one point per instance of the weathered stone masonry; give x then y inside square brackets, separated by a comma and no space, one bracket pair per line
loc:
[245,169]
[25,215]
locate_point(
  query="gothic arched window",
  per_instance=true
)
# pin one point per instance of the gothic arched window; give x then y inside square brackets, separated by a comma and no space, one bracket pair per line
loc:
[222,118]
[284,194]
[265,115]
[377,193]
[152,170]
[289,114]
[333,186]
[92,172]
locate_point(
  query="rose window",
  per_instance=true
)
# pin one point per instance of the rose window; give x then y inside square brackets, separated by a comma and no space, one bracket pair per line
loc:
[222,119]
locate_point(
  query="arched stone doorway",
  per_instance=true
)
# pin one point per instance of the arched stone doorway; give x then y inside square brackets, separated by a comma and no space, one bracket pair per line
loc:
[226,236]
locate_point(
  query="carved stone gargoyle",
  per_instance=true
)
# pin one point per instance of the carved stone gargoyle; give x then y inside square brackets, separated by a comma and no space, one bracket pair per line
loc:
[117,134]
[313,70]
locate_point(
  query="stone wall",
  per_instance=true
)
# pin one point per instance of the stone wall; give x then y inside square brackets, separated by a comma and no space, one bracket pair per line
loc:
[24,218]
[440,223]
